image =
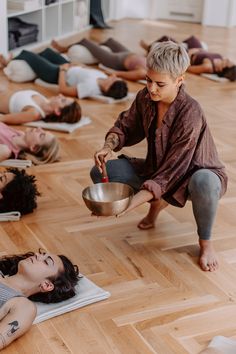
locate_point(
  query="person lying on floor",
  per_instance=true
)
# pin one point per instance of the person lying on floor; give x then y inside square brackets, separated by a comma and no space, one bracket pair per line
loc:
[24,106]
[18,191]
[181,162]
[201,60]
[29,277]
[126,64]
[73,80]
[33,144]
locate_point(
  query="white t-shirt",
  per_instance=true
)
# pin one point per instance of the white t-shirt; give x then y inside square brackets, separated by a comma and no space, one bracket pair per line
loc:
[85,80]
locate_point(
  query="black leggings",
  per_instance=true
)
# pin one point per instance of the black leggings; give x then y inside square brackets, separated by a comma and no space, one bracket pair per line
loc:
[46,64]
[114,59]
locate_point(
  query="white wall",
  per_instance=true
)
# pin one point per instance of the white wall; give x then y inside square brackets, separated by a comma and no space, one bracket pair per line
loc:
[3,28]
[219,13]
[215,12]
[129,8]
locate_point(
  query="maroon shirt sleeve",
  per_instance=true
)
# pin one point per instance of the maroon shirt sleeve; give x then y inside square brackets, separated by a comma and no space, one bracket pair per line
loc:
[180,153]
[129,125]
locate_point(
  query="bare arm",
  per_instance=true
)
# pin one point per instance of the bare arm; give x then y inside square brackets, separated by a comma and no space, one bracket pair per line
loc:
[19,314]
[63,87]
[205,67]
[111,142]
[5,152]
[133,75]
[28,115]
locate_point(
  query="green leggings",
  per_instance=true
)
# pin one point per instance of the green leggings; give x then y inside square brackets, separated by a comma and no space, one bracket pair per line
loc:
[46,64]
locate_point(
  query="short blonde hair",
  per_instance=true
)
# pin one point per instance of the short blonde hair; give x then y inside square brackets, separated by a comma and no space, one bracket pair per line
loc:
[169,58]
[47,154]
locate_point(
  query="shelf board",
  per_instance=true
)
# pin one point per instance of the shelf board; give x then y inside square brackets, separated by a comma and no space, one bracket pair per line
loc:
[13,13]
[66,1]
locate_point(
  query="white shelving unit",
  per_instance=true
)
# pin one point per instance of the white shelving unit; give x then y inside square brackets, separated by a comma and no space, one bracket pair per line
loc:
[56,20]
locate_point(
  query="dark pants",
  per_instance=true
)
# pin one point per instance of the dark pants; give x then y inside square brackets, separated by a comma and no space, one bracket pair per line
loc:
[204,191]
[46,64]
[114,59]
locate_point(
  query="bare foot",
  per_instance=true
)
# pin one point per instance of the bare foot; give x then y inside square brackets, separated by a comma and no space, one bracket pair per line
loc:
[58,47]
[5,61]
[208,259]
[149,221]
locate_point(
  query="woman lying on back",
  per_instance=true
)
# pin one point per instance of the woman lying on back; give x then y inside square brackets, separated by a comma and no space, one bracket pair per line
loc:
[28,277]
[28,105]
[33,144]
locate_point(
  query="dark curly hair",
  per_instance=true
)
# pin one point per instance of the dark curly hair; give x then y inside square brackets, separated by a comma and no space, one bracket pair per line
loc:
[118,89]
[69,114]
[64,283]
[20,194]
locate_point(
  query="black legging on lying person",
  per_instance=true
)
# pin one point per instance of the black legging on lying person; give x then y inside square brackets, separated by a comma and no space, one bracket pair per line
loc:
[46,64]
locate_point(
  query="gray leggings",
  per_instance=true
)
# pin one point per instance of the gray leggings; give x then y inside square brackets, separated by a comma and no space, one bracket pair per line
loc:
[204,191]
[114,59]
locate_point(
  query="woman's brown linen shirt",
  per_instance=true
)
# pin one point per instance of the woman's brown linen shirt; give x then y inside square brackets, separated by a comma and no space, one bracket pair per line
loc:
[175,151]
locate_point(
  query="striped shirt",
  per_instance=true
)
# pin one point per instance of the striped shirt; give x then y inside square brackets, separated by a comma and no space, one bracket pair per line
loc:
[7,293]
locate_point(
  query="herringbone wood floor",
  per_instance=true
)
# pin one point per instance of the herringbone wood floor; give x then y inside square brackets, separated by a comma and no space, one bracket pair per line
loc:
[161,302]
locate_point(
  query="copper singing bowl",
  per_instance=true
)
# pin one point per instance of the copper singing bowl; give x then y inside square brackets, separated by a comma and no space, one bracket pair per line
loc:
[106,199]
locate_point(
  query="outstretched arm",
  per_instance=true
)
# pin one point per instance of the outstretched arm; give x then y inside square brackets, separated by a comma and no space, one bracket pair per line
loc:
[17,316]
[29,115]
[63,87]
[201,69]
[132,75]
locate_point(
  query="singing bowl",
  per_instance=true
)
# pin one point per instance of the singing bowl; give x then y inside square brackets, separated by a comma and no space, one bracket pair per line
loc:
[106,199]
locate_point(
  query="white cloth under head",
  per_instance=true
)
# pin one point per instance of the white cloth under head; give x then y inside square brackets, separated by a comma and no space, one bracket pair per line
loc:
[85,80]
[224,344]
[17,163]
[86,293]
[10,216]
[20,99]
[59,126]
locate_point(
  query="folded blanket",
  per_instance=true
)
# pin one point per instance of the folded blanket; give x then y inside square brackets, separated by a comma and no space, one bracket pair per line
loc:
[107,99]
[16,163]
[10,216]
[87,293]
[215,77]
[110,71]
[223,344]
[64,127]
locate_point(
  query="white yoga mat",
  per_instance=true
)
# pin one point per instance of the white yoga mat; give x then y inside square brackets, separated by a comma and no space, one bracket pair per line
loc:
[215,77]
[110,70]
[87,293]
[10,216]
[106,99]
[63,127]
[16,163]
[224,344]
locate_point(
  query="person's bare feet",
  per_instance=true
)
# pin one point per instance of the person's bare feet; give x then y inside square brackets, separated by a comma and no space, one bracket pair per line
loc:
[5,61]
[58,47]
[149,221]
[208,260]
